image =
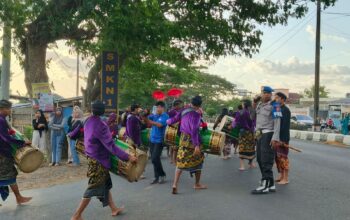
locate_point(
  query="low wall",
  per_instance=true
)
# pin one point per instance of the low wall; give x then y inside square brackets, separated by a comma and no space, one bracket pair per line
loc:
[321,137]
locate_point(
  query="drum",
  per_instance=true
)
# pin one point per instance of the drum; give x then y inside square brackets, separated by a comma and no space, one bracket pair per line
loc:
[171,136]
[145,136]
[27,158]
[225,123]
[130,171]
[213,142]
[121,133]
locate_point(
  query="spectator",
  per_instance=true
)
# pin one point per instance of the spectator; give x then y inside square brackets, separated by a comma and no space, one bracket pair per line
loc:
[57,136]
[77,125]
[39,133]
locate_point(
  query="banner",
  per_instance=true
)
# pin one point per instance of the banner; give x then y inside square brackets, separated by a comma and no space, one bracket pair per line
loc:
[109,80]
[42,97]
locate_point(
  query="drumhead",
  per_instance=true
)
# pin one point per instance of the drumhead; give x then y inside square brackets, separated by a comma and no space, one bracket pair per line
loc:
[226,119]
[136,170]
[31,161]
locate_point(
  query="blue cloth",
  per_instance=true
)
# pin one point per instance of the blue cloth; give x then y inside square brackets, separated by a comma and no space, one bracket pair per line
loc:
[157,134]
[276,110]
[4,189]
[73,151]
[57,142]
[267,89]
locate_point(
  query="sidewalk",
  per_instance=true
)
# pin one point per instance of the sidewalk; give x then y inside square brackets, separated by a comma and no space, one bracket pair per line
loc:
[331,138]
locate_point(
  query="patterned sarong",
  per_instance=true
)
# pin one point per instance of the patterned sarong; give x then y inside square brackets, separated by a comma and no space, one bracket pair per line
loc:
[282,160]
[246,145]
[99,182]
[185,159]
[8,174]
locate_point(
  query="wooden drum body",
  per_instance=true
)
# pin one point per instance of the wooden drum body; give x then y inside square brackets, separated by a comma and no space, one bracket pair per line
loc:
[171,136]
[130,171]
[28,159]
[213,142]
[225,123]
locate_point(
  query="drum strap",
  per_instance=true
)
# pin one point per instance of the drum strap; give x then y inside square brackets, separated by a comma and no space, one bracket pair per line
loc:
[186,111]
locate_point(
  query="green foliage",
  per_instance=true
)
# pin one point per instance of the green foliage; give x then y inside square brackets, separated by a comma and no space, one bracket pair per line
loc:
[158,41]
[28,132]
[323,92]
[211,111]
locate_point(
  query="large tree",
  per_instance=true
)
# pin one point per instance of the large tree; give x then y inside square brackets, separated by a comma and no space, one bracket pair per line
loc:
[168,33]
[310,93]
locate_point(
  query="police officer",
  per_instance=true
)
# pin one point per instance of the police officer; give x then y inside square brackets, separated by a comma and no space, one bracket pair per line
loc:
[268,116]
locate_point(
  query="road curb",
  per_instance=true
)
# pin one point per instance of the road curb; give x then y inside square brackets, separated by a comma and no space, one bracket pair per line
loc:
[321,137]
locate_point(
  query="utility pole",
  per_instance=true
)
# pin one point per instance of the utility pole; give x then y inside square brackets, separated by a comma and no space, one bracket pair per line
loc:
[6,61]
[77,89]
[317,65]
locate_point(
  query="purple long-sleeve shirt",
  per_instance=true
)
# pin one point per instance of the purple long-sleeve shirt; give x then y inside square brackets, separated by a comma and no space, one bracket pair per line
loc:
[6,139]
[173,112]
[243,120]
[133,129]
[190,124]
[99,143]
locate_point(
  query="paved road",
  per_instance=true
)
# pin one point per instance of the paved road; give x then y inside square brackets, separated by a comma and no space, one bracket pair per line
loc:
[319,189]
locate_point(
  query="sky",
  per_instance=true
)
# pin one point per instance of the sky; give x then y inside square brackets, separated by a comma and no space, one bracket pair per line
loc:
[286,58]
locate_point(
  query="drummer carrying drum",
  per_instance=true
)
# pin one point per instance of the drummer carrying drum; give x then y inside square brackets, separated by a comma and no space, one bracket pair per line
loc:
[99,144]
[8,171]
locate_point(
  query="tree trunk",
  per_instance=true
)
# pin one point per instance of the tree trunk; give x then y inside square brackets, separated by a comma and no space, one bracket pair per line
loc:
[35,65]
[93,86]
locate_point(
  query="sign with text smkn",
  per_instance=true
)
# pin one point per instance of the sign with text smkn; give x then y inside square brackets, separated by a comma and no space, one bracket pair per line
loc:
[109,79]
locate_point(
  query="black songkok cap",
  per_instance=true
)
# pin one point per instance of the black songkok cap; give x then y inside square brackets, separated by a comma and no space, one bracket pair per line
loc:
[98,107]
[197,101]
[5,104]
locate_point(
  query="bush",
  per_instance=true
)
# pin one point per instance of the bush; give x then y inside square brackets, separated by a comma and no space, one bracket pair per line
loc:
[28,132]
[299,127]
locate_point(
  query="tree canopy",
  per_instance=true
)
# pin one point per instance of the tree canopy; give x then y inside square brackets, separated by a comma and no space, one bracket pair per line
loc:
[157,40]
[310,93]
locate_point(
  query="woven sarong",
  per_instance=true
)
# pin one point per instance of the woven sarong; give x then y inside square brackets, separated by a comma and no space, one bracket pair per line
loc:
[99,182]
[246,145]
[186,160]
[8,174]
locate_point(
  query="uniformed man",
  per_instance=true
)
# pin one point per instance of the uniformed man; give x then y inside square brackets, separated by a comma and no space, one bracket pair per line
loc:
[268,116]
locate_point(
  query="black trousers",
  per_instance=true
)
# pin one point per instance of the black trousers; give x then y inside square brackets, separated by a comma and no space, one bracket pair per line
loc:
[265,156]
[156,151]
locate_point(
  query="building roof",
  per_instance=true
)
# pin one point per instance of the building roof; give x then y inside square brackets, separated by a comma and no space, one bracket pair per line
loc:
[344,101]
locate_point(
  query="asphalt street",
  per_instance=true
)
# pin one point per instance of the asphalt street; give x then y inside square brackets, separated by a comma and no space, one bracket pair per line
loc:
[319,189]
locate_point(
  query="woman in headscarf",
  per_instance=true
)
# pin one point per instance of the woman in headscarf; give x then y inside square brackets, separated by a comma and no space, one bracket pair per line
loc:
[77,125]
[40,127]
[57,135]
[246,142]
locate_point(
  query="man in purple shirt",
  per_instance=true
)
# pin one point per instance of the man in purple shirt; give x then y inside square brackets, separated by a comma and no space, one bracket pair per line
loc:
[133,126]
[177,107]
[189,157]
[8,171]
[99,144]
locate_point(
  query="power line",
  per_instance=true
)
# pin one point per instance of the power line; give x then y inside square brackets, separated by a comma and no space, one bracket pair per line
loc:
[289,31]
[286,41]
[337,13]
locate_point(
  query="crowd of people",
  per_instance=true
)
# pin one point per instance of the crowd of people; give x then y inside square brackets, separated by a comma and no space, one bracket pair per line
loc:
[262,127]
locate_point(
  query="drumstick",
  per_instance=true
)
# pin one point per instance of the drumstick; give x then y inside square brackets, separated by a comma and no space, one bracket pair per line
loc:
[293,148]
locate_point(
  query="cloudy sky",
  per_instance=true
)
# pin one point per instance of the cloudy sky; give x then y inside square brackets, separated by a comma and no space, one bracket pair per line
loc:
[286,59]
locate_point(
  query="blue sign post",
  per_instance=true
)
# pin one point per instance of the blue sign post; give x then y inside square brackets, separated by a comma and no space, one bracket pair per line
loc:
[109,80]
